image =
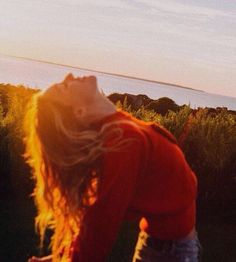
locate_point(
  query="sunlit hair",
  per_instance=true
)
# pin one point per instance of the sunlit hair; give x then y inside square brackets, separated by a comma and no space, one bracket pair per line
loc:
[64,155]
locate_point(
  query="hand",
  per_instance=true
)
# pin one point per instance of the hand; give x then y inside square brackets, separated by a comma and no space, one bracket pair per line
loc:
[40,259]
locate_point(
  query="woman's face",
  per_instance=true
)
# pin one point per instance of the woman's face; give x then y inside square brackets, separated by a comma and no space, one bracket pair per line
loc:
[73,91]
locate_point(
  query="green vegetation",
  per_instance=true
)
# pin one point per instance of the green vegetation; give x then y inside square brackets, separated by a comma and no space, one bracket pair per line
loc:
[207,136]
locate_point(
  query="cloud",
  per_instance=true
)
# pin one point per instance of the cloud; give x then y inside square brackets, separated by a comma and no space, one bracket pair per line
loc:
[177,8]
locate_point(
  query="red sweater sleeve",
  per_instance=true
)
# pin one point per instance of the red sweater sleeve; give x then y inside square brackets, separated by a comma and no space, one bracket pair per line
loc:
[103,219]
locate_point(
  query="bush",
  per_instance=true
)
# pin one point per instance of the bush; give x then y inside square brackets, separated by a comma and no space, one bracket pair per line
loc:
[13,170]
[162,106]
[210,148]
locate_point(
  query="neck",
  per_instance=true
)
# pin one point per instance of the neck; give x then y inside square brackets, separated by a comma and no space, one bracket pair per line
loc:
[102,107]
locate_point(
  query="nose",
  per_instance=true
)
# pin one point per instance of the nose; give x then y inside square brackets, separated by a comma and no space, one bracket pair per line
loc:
[69,77]
[93,78]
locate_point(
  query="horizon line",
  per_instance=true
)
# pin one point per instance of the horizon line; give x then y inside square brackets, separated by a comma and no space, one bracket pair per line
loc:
[103,72]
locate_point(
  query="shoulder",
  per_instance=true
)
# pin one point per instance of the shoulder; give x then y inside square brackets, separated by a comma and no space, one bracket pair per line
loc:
[140,129]
[153,129]
[126,122]
[163,132]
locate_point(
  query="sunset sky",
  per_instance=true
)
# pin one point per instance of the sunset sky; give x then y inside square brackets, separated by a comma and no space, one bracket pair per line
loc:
[186,42]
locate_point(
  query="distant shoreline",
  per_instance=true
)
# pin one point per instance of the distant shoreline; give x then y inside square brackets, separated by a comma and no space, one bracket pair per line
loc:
[106,73]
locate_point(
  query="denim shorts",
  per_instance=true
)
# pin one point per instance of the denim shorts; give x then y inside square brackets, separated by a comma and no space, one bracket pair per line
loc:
[171,251]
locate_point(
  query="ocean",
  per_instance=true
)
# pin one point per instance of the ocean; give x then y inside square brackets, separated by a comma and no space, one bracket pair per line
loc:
[40,75]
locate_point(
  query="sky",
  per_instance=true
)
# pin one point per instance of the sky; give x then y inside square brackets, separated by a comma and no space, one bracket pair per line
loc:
[186,42]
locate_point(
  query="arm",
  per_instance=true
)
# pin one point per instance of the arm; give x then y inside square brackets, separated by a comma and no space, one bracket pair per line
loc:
[41,259]
[102,220]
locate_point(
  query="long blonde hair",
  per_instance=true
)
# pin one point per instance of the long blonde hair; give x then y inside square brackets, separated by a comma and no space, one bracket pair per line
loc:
[64,155]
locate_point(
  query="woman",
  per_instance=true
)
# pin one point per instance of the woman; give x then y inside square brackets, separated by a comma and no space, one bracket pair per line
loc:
[95,166]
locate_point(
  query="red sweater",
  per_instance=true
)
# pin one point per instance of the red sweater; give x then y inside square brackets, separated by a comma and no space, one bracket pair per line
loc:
[149,179]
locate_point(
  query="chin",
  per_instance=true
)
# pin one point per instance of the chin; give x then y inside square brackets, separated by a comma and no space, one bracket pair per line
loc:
[92,79]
